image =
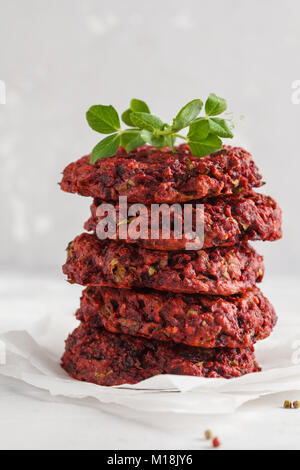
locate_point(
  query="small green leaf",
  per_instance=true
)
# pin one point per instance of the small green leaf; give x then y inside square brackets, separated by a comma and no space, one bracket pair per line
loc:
[146,121]
[135,106]
[199,130]
[215,105]
[220,127]
[126,118]
[103,119]
[106,148]
[139,106]
[187,114]
[157,142]
[131,140]
[211,144]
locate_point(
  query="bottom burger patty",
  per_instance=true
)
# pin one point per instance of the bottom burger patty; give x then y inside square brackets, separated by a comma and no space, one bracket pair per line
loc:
[195,320]
[98,356]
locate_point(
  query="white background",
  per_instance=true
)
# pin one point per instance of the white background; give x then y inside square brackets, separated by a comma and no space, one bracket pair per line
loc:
[59,57]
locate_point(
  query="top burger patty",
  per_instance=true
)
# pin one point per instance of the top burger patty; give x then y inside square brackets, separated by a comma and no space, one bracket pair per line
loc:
[152,175]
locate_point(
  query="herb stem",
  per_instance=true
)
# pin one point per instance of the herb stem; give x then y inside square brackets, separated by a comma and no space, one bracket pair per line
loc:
[170,132]
[180,136]
[129,131]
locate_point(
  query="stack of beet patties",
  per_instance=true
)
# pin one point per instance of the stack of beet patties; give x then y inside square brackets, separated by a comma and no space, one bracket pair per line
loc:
[152,307]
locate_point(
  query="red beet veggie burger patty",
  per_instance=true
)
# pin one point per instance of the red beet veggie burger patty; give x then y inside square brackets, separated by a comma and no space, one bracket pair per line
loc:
[195,320]
[218,271]
[158,175]
[227,221]
[98,356]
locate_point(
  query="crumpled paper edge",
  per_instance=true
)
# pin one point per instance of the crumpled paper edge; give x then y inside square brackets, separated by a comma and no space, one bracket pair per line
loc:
[31,363]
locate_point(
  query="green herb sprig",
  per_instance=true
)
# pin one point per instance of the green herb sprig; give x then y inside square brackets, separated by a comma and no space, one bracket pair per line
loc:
[204,135]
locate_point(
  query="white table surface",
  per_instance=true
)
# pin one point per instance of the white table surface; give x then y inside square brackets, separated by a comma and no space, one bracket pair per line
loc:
[31,418]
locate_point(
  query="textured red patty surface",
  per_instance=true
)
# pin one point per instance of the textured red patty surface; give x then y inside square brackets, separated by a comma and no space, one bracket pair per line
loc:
[218,271]
[194,320]
[157,175]
[227,221]
[97,356]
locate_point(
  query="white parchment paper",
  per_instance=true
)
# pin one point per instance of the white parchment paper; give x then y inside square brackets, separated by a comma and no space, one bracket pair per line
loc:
[33,356]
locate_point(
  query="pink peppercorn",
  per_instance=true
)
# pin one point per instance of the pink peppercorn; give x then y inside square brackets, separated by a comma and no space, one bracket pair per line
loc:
[216,442]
